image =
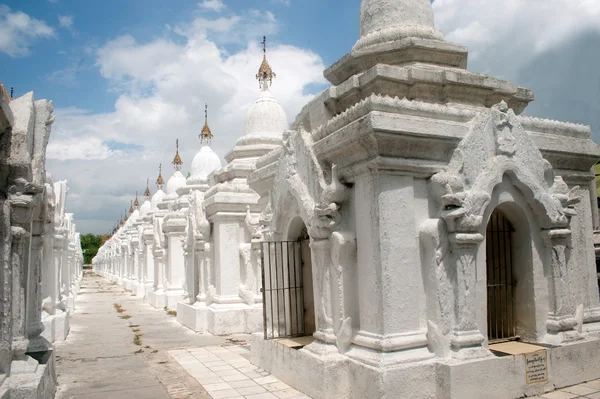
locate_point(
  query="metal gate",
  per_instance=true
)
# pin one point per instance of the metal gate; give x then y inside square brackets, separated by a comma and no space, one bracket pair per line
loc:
[283,296]
[500,282]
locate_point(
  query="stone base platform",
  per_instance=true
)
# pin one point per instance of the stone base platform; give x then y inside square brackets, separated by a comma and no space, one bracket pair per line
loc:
[321,372]
[193,316]
[36,381]
[172,298]
[157,299]
[56,327]
[238,318]
[139,289]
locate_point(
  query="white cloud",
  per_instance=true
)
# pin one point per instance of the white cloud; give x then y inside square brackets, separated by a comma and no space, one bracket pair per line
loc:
[65,21]
[18,31]
[513,32]
[163,86]
[215,5]
[284,2]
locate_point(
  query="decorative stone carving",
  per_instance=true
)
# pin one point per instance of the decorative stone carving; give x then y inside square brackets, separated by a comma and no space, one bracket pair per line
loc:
[497,145]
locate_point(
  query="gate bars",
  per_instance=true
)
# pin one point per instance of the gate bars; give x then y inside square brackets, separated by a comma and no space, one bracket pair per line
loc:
[283,296]
[500,282]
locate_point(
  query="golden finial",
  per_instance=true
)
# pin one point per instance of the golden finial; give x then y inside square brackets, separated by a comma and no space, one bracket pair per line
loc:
[160,181]
[206,133]
[125,218]
[121,221]
[136,203]
[147,192]
[265,74]
[130,206]
[177,162]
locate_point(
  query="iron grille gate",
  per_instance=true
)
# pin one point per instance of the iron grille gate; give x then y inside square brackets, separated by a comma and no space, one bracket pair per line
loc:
[500,282]
[283,296]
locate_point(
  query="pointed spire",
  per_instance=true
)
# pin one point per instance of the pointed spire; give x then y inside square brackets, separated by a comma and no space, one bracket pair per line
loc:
[122,221]
[130,206]
[160,181]
[147,192]
[265,74]
[136,203]
[206,134]
[125,218]
[177,162]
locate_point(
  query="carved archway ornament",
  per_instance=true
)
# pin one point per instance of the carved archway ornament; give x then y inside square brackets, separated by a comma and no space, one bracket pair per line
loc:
[496,146]
[300,175]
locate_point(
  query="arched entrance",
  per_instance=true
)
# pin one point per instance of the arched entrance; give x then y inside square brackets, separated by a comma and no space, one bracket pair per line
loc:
[501,283]
[288,301]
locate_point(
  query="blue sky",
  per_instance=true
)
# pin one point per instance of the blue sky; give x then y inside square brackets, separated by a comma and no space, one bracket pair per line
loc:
[61,67]
[129,77]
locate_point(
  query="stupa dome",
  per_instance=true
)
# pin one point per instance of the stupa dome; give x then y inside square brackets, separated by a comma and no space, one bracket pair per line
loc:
[176,181]
[205,162]
[266,116]
[145,208]
[157,197]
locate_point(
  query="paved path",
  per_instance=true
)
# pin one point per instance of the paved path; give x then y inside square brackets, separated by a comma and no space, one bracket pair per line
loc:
[589,390]
[103,359]
[100,360]
[226,373]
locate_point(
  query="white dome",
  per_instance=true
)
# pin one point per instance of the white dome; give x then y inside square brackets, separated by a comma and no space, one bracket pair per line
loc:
[157,197]
[266,117]
[176,181]
[146,206]
[205,162]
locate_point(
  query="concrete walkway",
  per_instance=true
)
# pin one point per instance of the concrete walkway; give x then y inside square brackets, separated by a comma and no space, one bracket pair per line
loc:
[125,355]
[122,348]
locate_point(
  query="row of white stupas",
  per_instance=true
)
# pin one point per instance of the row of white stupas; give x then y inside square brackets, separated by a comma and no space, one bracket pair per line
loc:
[40,251]
[167,250]
[410,219]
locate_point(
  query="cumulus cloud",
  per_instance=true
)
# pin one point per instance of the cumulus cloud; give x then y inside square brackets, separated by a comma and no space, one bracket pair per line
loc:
[514,31]
[65,21]
[18,31]
[163,85]
[542,45]
[215,5]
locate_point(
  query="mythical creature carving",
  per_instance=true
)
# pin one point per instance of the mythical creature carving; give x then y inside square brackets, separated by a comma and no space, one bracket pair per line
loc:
[498,145]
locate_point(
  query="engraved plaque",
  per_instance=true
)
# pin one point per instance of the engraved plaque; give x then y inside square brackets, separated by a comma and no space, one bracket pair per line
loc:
[536,366]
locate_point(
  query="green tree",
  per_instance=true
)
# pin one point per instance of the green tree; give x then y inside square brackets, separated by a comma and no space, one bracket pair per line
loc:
[90,243]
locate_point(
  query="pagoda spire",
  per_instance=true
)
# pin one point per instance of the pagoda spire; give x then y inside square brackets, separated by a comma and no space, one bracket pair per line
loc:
[177,162]
[136,203]
[159,180]
[206,135]
[147,192]
[265,74]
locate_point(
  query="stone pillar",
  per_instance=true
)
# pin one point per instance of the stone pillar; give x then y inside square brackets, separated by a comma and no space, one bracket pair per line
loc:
[191,273]
[561,315]
[227,258]
[49,275]
[5,287]
[466,332]
[151,281]
[203,262]
[58,253]
[175,268]
[19,260]
[388,261]
[34,326]
[321,261]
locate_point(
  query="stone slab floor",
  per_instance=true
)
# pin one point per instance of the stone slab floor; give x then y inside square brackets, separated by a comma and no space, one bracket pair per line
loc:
[122,348]
[99,359]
